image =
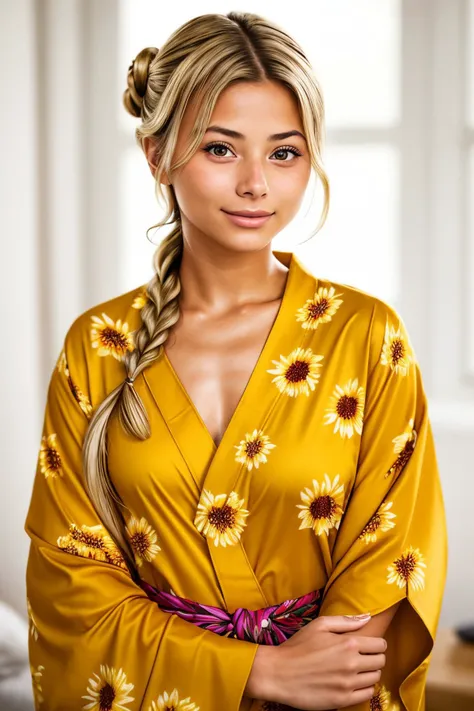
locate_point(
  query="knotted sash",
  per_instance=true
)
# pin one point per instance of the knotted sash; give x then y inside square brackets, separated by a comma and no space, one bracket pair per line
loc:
[269,625]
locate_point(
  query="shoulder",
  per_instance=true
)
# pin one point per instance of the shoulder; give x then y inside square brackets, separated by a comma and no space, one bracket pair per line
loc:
[115,313]
[365,321]
[362,307]
[352,300]
[96,341]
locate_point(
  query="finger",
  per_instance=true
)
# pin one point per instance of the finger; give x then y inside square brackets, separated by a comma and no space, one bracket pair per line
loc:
[360,696]
[371,645]
[365,679]
[371,662]
[341,623]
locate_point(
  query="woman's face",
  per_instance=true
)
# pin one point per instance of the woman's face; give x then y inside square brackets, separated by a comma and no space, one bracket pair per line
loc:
[251,172]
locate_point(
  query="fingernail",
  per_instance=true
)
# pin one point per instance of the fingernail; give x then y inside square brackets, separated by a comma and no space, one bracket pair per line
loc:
[359,617]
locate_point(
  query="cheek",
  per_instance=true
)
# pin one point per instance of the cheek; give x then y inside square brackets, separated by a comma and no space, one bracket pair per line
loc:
[290,187]
[199,183]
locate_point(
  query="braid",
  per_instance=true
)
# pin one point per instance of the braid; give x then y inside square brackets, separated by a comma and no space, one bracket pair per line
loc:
[158,315]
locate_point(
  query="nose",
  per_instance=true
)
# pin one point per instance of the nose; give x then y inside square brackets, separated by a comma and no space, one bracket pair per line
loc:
[252,178]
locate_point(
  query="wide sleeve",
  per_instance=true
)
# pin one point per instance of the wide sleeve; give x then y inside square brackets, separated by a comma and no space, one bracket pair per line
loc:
[392,545]
[96,640]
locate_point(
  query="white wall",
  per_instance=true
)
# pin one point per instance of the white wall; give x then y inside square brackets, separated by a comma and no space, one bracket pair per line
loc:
[20,352]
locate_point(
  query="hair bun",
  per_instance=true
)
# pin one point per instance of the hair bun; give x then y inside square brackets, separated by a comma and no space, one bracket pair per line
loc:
[137,78]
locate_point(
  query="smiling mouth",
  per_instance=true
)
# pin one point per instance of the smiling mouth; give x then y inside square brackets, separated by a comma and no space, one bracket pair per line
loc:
[248,215]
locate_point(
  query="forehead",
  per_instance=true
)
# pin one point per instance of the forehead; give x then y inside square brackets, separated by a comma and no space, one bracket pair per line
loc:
[267,98]
[254,109]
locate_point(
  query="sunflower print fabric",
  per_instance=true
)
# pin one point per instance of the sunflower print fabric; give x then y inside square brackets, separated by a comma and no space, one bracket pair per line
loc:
[326,477]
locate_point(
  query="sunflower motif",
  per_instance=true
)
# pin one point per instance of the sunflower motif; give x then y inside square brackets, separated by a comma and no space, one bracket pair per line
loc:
[380,701]
[91,542]
[297,374]
[408,570]
[404,447]
[380,521]
[221,518]
[172,702]
[36,680]
[111,338]
[140,300]
[109,692]
[346,409]
[143,540]
[252,451]
[49,457]
[320,309]
[322,507]
[31,621]
[396,351]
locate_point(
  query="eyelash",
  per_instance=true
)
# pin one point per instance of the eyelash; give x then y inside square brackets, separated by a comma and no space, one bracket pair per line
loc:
[290,149]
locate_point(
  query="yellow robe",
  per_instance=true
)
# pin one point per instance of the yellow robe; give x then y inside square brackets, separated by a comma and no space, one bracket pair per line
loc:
[330,454]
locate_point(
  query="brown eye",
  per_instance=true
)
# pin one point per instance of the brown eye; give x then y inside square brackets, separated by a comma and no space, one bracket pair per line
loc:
[284,150]
[288,149]
[211,146]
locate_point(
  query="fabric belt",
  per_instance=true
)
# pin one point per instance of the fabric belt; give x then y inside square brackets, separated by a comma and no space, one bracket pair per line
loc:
[269,625]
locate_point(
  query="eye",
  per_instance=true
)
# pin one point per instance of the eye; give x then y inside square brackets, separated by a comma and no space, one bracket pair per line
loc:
[210,146]
[289,149]
[284,149]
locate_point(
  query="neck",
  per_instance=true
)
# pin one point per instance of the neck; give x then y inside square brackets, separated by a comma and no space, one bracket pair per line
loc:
[217,283]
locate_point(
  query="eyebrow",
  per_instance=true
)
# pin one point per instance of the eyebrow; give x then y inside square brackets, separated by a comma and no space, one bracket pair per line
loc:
[235,134]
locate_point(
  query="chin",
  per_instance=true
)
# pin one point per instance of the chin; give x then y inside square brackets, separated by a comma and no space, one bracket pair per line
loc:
[245,242]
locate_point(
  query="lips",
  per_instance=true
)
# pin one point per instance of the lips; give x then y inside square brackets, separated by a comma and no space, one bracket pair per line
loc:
[243,213]
[246,221]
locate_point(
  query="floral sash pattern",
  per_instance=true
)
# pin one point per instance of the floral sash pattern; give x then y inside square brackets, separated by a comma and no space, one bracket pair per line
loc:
[269,625]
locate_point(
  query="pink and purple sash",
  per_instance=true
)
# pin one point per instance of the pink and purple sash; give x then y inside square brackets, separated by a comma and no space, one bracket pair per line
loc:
[269,625]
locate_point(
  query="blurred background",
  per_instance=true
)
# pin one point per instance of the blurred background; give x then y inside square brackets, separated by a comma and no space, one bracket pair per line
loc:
[77,198]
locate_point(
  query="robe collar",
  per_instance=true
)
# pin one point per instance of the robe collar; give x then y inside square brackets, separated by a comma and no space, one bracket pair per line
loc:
[214,468]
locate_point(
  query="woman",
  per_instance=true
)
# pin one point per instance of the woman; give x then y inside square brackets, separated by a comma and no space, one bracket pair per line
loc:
[237,455]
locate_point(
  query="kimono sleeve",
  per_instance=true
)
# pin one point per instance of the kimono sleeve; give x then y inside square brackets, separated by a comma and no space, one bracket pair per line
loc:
[96,640]
[391,545]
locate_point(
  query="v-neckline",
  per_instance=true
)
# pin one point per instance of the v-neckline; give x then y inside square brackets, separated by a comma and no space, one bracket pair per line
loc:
[289,260]
[216,469]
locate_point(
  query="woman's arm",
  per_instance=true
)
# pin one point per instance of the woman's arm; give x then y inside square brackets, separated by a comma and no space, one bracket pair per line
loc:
[262,676]
[378,624]
[390,552]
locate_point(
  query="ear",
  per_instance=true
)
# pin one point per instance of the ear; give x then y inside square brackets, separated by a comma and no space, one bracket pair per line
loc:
[150,147]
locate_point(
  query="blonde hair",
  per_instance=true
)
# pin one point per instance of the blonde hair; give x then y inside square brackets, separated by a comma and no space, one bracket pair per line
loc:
[199,60]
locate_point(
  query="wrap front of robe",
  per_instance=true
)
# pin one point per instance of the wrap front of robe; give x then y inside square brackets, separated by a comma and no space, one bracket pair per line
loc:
[326,477]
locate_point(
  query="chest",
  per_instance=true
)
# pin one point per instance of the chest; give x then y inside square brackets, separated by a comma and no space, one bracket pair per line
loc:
[214,359]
